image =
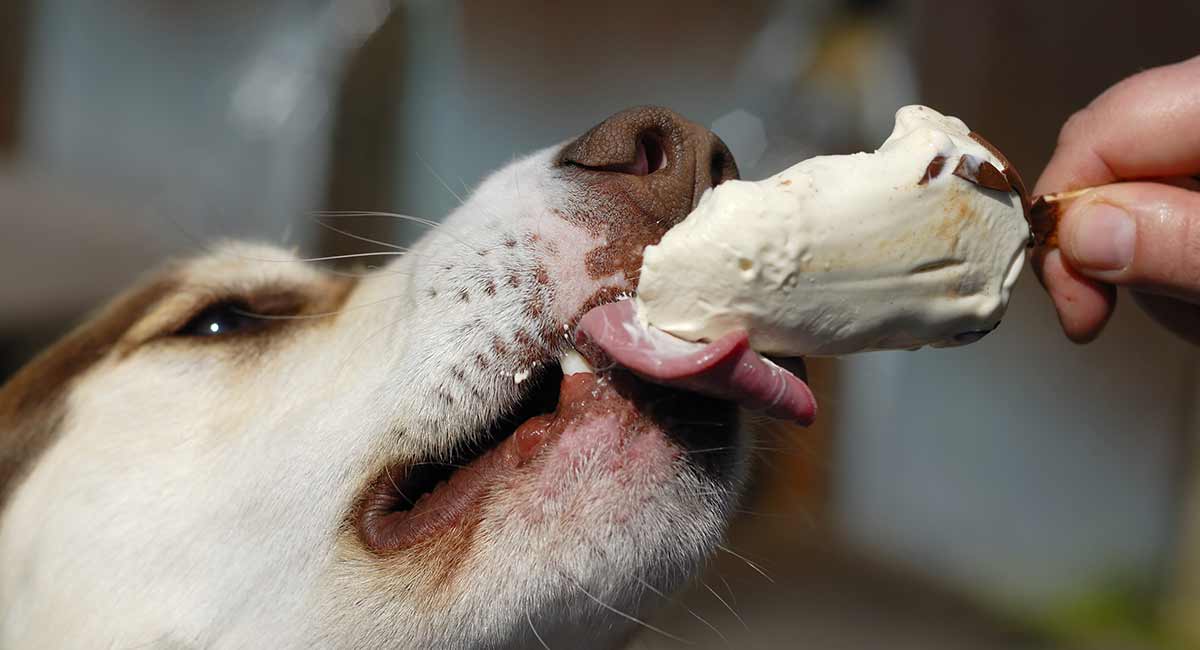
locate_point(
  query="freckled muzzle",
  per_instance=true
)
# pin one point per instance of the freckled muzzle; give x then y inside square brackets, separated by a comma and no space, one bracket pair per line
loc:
[632,177]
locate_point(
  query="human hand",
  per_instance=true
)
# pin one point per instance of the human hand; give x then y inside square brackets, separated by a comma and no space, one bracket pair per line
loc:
[1138,146]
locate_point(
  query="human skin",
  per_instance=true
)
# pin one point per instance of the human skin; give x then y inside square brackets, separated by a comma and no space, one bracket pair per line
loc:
[1138,146]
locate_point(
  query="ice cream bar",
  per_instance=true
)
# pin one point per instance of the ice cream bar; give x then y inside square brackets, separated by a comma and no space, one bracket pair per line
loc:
[919,243]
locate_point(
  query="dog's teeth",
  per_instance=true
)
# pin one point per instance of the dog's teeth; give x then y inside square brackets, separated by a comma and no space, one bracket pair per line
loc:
[572,363]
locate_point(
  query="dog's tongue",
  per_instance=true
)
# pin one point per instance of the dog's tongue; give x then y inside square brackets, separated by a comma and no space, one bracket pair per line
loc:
[726,368]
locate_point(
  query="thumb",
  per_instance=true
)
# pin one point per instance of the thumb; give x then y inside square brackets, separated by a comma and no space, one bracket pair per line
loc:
[1141,235]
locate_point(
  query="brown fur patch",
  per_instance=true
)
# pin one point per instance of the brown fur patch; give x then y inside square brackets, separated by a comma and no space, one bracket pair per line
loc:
[535,307]
[550,334]
[32,403]
[499,347]
[530,349]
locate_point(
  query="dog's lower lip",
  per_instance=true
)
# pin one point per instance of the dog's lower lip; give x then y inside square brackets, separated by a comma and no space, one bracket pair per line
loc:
[388,522]
[410,503]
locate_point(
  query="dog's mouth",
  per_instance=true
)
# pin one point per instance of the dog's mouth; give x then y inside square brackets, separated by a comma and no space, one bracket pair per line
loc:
[412,502]
[688,393]
[412,505]
[652,403]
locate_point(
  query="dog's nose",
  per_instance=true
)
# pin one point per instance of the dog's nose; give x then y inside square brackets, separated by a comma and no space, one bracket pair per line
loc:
[662,161]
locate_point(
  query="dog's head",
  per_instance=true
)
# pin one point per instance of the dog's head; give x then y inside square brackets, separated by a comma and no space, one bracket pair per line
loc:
[248,448]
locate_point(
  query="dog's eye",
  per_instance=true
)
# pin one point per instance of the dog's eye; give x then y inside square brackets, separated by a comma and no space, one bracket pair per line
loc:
[221,319]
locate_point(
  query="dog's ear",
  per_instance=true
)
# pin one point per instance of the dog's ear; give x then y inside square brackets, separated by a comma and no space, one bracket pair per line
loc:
[33,402]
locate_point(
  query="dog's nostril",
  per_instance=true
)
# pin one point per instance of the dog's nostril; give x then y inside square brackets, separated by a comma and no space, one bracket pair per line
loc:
[650,149]
[721,167]
[649,156]
[674,159]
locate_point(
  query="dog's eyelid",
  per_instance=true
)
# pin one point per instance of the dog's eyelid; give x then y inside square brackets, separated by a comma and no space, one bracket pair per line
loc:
[234,314]
[274,303]
[255,312]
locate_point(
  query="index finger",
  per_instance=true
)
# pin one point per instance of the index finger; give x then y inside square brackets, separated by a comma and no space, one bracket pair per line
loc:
[1147,126]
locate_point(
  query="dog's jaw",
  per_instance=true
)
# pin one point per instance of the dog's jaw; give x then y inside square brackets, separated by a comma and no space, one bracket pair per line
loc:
[226,518]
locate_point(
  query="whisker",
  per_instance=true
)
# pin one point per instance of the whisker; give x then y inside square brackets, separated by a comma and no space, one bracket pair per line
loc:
[351,235]
[748,562]
[330,258]
[341,214]
[765,515]
[797,451]
[439,178]
[729,588]
[433,225]
[456,466]
[370,272]
[689,610]
[716,489]
[388,472]
[197,241]
[324,314]
[727,606]
[205,247]
[626,616]
[694,423]
[535,632]
[708,495]
[710,450]
[438,463]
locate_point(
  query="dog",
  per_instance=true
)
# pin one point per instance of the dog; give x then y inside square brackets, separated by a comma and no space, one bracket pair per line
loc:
[248,451]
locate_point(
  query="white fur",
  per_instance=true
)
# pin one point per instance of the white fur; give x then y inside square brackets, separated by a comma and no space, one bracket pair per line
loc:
[195,497]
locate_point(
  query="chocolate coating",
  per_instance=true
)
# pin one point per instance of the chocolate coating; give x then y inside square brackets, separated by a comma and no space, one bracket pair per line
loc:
[1043,221]
[932,171]
[982,173]
[1014,180]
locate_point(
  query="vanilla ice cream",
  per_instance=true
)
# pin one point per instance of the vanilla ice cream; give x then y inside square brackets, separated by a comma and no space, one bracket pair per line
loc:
[917,244]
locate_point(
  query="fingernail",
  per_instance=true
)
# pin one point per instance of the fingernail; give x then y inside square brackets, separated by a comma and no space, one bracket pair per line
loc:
[1102,237]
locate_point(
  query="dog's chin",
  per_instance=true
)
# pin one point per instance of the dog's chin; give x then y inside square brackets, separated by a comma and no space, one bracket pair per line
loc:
[569,433]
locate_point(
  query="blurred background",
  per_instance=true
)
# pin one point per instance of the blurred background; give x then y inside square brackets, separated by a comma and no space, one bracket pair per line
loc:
[1019,493]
